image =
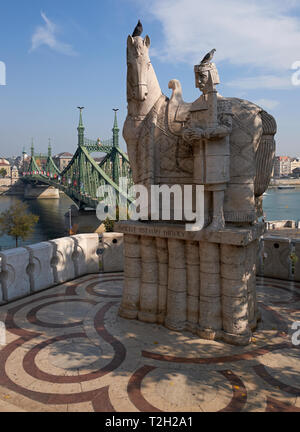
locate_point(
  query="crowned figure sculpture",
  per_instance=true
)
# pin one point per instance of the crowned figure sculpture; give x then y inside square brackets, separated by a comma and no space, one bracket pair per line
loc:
[208,129]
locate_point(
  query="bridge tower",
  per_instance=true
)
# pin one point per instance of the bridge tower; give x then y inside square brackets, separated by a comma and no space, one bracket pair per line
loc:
[49,148]
[32,148]
[81,164]
[80,129]
[115,155]
[83,176]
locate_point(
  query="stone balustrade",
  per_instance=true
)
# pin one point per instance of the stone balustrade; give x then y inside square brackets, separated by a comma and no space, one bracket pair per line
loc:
[30,269]
[279,258]
[281,224]
[113,252]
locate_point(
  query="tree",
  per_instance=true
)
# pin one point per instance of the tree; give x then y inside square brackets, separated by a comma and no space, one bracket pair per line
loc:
[109,223]
[17,222]
[3,172]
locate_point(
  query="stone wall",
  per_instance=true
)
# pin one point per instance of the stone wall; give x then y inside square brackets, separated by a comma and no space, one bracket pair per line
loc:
[7,181]
[27,270]
[274,225]
[40,192]
[112,252]
[279,258]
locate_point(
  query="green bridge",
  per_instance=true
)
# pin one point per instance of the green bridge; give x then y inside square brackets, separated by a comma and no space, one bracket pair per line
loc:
[83,176]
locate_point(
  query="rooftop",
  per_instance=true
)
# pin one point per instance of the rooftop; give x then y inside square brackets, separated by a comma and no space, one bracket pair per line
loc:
[4,162]
[63,155]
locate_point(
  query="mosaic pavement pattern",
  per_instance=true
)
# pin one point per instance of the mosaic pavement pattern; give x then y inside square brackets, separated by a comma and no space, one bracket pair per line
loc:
[67,350]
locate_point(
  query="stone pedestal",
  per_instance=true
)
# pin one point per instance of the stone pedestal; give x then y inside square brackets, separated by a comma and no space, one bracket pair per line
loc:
[40,192]
[203,282]
[41,272]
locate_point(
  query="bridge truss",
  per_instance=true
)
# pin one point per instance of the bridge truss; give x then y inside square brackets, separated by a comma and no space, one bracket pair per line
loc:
[82,177]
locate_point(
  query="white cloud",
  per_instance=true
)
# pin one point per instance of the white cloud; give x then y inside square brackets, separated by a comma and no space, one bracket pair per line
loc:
[267,103]
[261,34]
[263,82]
[46,35]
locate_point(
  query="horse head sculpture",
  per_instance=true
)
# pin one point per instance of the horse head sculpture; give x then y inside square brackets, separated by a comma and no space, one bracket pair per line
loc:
[142,84]
[138,62]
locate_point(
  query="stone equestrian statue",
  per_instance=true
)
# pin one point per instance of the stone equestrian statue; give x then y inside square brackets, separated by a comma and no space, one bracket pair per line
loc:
[226,144]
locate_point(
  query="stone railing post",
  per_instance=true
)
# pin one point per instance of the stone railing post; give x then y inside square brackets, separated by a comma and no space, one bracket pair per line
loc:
[297,261]
[259,258]
[15,280]
[40,269]
[277,263]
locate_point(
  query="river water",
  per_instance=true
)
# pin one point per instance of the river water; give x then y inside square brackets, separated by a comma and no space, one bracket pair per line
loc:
[51,224]
[278,205]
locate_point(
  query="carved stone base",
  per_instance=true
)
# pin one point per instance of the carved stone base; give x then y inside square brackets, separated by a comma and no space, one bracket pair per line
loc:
[202,282]
[234,339]
[128,313]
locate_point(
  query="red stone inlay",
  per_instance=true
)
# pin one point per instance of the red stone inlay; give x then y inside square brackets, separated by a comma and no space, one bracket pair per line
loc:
[282,324]
[215,360]
[119,348]
[262,372]
[12,327]
[31,368]
[274,405]
[237,402]
[239,397]
[46,398]
[134,390]
[90,289]
[59,398]
[295,296]
[291,285]
[99,398]
[31,316]
[71,290]
[102,403]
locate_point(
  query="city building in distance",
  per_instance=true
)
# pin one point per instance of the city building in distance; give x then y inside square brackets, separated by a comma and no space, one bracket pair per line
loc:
[285,166]
[9,174]
[62,160]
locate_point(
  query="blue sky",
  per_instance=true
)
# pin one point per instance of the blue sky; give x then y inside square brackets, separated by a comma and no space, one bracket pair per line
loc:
[63,53]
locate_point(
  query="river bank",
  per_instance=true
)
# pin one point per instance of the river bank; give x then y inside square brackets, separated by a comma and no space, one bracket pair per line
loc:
[284,182]
[52,221]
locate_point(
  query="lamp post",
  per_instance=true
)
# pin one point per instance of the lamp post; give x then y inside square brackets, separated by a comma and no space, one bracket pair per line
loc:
[70,220]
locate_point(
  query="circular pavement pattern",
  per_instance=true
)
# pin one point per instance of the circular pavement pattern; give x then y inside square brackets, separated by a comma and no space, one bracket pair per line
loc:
[67,350]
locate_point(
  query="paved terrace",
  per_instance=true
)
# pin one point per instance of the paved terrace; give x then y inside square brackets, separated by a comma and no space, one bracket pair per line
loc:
[67,350]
